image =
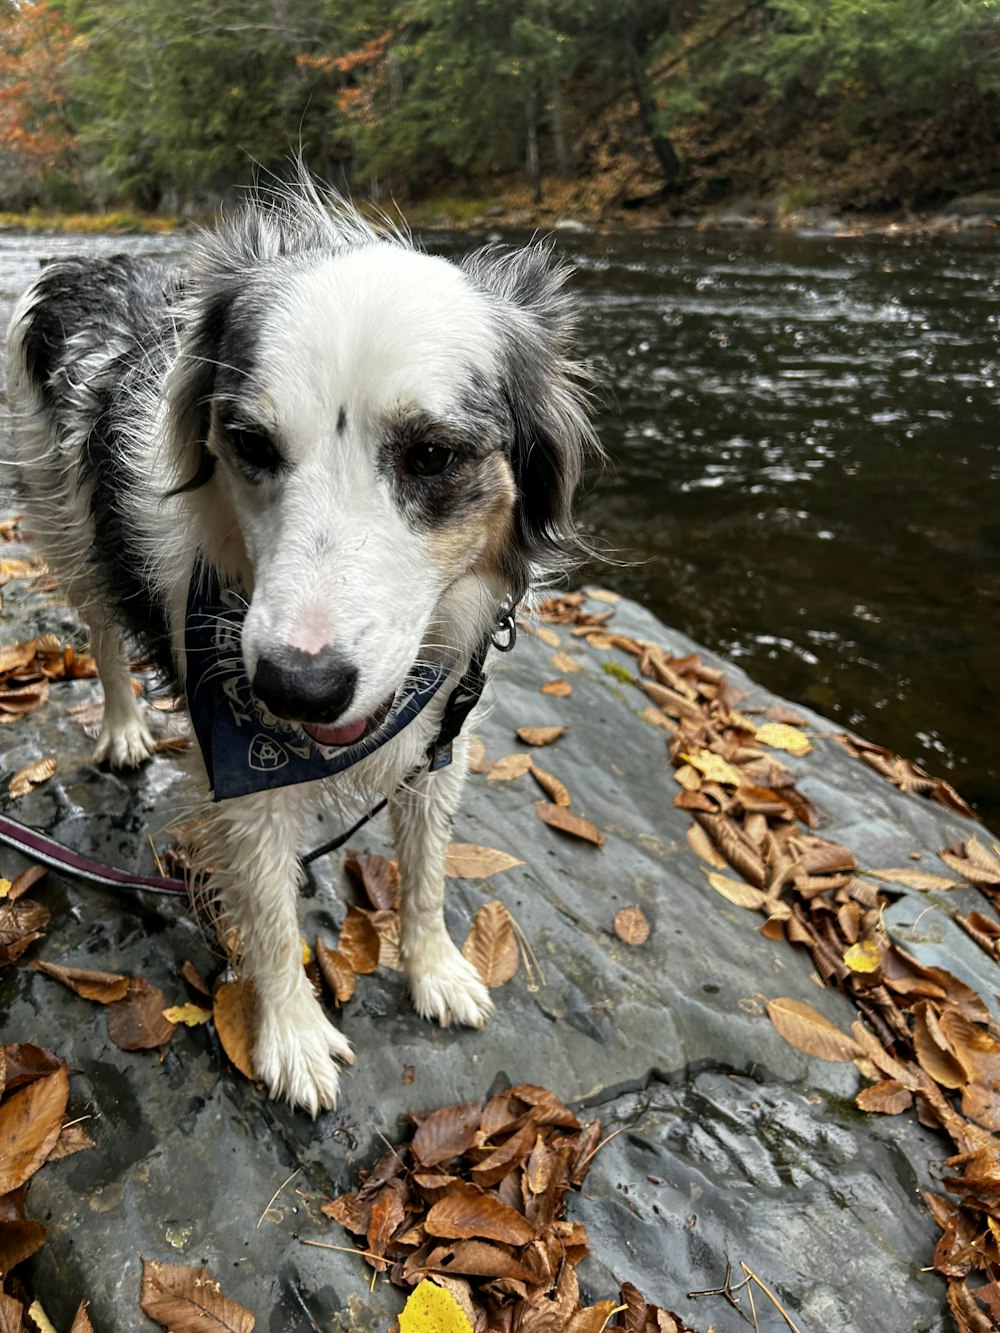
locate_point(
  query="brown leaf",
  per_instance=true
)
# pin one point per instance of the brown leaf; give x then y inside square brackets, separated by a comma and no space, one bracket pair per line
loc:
[540,735]
[387,1215]
[887,1097]
[24,1063]
[738,893]
[914,879]
[235,1013]
[387,925]
[560,818]
[470,1216]
[558,688]
[631,926]
[19,1239]
[565,663]
[467,860]
[702,845]
[189,1300]
[11,1315]
[377,876]
[137,1023]
[359,941]
[21,918]
[26,880]
[551,785]
[30,1122]
[808,1031]
[491,947]
[477,1258]
[446,1133]
[548,636]
[81,1320]
[31,776]
[508,768]
[336,971]
[104,987]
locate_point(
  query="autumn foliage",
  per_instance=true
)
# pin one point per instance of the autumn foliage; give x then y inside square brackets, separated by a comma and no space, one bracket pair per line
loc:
[35,44]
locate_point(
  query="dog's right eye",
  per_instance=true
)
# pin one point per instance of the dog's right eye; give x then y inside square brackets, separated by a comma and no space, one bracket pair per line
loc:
[254,448]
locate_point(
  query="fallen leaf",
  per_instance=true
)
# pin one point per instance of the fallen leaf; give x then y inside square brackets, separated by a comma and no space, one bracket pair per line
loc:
[888,1097]
[540,735]
[81,1320]
[446,1133]
[73,1138]
[491,947]
[551,785]
[24,1063]
[478,1258]
[336,970]
[780,736]
[19,1239]
[564,820]
[738,893]
[359,941]
[235,1014]
[565,663]
[702,845]
[914,879]
[467,860]
[865,956]
[30,1122]
[190,1015]
[11,1311]
[26,779]
[808,1031]
[560,689]
[548,636]
[137,1022]
[508,768]
[386,1217]
[104,987]
[189,1300]
[603,595]
[471,1216]
[40,1320]
[714,767]
[431,1309]
[377,876]
[631,926]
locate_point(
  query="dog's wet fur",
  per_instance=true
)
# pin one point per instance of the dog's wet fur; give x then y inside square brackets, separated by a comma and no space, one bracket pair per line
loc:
[382,446]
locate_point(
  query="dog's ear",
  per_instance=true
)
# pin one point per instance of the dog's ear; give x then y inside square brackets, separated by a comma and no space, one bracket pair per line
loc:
[547,400]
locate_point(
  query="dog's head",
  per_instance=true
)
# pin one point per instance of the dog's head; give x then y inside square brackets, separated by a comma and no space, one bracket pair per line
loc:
[384,445]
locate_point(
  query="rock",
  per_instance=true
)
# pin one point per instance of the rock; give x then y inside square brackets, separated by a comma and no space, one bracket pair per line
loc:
[985,204]
[733,1146]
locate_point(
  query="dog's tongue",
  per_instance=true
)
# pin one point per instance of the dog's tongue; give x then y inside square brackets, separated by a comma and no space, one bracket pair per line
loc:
[336,735]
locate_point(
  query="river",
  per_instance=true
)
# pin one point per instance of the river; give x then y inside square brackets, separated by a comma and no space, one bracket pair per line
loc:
[802,445]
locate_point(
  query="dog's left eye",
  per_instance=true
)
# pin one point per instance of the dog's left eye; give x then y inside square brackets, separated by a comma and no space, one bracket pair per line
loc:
[255,448]
[428,460]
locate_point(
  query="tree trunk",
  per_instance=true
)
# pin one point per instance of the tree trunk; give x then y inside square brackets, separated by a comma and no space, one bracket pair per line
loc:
[670,163]
[560,142]
[532,169]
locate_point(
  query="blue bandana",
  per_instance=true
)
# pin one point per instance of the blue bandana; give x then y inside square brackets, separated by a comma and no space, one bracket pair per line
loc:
[245,747]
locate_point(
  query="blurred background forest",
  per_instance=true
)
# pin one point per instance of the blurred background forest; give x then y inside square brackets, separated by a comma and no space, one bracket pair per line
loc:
[597,107]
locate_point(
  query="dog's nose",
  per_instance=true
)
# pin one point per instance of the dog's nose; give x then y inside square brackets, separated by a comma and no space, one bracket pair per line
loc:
[305,687]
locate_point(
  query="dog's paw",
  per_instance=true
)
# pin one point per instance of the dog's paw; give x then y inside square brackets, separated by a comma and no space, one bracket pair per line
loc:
[124,745]
[446,987]
[295,1053]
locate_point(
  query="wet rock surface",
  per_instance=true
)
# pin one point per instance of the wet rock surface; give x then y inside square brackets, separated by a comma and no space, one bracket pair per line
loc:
[732,1147]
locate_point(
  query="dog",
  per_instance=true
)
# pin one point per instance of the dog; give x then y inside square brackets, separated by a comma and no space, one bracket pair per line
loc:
[370,454]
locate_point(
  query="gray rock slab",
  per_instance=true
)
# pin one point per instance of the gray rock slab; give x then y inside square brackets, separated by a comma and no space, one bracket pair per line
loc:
[733,1146]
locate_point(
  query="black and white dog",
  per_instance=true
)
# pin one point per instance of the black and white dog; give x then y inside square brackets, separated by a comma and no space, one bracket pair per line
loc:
[373,451]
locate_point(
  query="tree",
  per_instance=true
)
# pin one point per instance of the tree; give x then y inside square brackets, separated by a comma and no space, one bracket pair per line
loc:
[36,129]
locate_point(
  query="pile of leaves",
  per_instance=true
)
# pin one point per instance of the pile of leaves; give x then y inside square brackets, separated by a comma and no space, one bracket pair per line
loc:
[27,669]
[474,1205]
[34,1130]
[927,1040]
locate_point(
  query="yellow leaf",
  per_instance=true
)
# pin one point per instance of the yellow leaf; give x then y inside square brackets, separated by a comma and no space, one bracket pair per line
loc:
[714,767]
[307,953]
[742,895]
[41,1319]
[780,736]
[431,1309]
[865,956]
[5,887]
[191,1015]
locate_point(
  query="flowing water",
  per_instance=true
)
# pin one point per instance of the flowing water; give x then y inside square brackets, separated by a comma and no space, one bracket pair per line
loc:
[802,436]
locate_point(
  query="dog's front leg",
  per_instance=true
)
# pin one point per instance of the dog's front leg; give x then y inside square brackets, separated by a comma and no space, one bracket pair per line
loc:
[443,984]
[253,844]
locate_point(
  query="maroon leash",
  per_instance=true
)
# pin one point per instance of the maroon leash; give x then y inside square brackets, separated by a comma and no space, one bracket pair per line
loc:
[38,847]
